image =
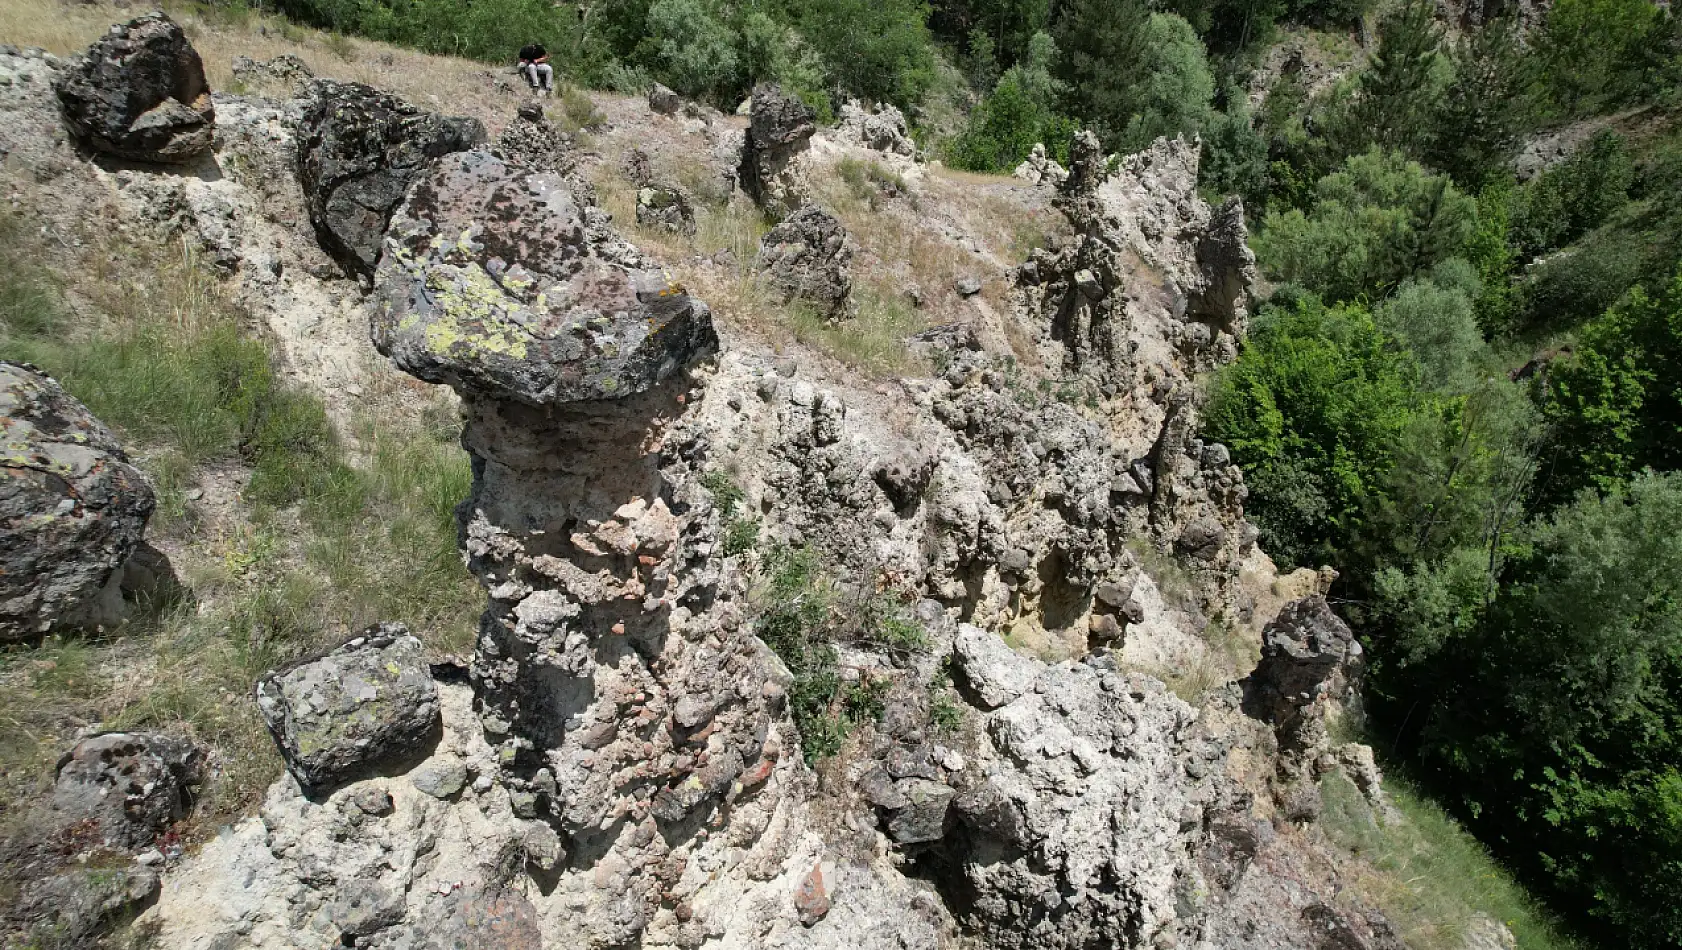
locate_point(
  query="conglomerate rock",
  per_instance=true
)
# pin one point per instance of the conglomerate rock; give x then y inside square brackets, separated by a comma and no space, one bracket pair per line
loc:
[140,93]
[880,128]
[72,509]
[358,151]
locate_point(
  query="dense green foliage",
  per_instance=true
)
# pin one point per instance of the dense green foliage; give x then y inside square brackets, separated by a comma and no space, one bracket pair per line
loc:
[1505,528]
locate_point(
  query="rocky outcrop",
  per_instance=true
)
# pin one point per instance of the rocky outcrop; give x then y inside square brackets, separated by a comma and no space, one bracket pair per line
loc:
[358,151]
[532,141]
[808,257]
[880,128]
[285,68]
[780,129]
[1041,169]
[140,93]
[1308,655]
[368,705]
[127,787]
[73,510]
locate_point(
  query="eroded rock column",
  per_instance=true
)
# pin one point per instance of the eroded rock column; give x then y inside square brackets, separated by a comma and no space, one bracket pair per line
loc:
[622,720]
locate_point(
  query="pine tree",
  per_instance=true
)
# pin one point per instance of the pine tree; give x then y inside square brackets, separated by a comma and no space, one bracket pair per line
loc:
[1487,108]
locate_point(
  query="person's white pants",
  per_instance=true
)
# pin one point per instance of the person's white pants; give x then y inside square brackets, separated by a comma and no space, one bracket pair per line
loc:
[540,75]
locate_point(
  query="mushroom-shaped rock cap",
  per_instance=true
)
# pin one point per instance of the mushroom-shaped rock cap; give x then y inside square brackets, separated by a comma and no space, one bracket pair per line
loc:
[493,282]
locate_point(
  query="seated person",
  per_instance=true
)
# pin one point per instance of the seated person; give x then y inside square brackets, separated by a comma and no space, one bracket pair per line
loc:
[534,65]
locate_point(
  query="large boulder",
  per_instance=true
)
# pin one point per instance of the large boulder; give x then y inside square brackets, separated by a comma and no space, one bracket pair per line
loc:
[129,786]
[1307,653]
[809,257]
[780,128]
[140,93]
[496,282]
[663,101]
[72,510]
[881,128]
[359,149]
[666,208]
[368,706]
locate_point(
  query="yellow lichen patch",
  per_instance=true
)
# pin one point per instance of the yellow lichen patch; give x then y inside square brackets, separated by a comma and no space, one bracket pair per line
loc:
[471,316]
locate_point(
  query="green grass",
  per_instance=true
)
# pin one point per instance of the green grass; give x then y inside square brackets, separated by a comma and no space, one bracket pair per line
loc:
[802,614]
[322,541]
[873,339]
[1429,875]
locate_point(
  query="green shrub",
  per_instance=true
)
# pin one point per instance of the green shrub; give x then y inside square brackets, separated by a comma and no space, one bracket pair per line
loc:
[1312,411]
[1378,220]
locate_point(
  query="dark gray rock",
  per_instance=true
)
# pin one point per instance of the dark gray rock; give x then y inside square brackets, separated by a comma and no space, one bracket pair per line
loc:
[73,510]
[495,282]
[1202,539]
[967,286]
[663,100]
[367,706]
[809,257]
[665,207]
[481,916]
[924,816]
[140,93]
[359,149]
[1306,651]
[442,780]
[73,908]
[780,127]
[130,785]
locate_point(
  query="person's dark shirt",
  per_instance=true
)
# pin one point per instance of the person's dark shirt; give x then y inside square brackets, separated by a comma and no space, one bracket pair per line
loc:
[532,52]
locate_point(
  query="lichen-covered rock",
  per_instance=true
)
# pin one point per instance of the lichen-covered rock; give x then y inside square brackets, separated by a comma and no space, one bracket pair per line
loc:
[532,141]
[359,149]
[666,208]
[881,128]
[493,282]
[140,93]
[809,257]
[367,706]
[72,509]
[285,68]
[780,128]
[131,786]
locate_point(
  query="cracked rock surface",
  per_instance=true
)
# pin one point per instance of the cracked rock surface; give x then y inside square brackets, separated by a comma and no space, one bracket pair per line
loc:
[72,508]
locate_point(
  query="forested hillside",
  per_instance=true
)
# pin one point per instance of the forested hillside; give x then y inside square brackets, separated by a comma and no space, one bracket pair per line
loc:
[1463,389]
